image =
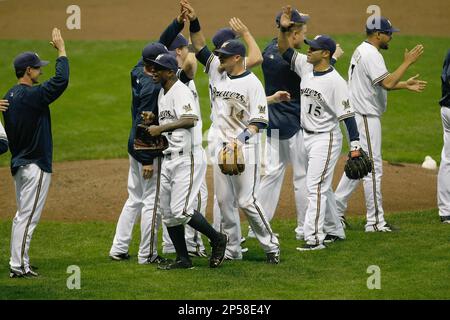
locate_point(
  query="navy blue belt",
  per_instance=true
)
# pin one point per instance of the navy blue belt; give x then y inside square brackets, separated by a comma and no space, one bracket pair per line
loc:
[171,155]
[313,132]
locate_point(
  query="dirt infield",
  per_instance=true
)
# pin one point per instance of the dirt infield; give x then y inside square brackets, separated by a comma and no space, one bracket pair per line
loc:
[145,19]
[96,190]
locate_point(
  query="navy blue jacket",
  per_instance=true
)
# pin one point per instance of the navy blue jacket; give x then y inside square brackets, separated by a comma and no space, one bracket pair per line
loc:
[284,116]
[445,78]
[3,146]
[27,120]
[144,96]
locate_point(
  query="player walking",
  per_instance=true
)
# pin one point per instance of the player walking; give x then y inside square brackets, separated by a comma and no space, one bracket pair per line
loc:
[28,127]
[444,168]
[184,165]
[369,81]
[239,109]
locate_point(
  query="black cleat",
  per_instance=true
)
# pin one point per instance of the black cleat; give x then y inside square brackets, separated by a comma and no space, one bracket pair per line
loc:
[311,247]
[273,257]
[170,265]
[158,259]
[218,251]
[331,238]
[29,274]
[445,219]
[120,257]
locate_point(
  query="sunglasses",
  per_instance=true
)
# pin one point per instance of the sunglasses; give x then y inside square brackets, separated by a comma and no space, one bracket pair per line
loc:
[388,33]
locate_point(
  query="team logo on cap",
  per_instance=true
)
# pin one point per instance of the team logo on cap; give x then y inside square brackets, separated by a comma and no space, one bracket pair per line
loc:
[225,44]
[159,57]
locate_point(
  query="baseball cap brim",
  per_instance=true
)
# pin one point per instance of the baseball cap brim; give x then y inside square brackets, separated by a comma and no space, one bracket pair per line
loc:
[313,44]
[42,63]
[395,29]
[225,52]
[161,65]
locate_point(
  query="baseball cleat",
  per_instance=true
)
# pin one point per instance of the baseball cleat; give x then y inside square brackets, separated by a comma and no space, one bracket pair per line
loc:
[386,228]
[14,274]
[218,251]
[198,253]
[331,238]
[445,219]
[158,259]
[170,265]
[344,222]
[120,256]
[311,247]
[244,250]
[29,274]
[273,257]
[243,240]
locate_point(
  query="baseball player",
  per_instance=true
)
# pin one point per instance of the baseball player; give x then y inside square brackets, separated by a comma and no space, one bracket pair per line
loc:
[28,127]
[239,109]
[145,166]
[187,62]
[369,80]
[184,165]
[444,168]
[324,101]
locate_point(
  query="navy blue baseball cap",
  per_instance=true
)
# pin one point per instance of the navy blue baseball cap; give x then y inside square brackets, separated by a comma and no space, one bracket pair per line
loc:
[166,61]
[180,41]
[28,59]
[223,35]
[323,42]
[152,50]
[296,17]
[232,48]
[380,24]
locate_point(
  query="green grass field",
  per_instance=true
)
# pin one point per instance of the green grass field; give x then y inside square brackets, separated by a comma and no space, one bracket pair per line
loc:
[92,119]
[414,264]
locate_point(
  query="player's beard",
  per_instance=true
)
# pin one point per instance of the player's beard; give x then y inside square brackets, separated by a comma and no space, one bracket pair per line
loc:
[384,46]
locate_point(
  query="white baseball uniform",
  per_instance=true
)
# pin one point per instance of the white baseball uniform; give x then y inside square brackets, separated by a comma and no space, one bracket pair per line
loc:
[367,71]
[193,238]
[324,101]
[184,165]
[444,167]
[3,134]
[238,101]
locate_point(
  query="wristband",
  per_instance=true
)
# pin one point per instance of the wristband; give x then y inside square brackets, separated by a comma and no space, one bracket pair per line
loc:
[284,29]
[194,26]
[244,136]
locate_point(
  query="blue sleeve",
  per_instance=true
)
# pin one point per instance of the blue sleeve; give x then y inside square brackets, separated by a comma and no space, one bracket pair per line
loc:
[447,66]
[288,54]
[183,76]
[171,33]
[352,129]
[3,146]
[333,61]
[203,55]
[53,88]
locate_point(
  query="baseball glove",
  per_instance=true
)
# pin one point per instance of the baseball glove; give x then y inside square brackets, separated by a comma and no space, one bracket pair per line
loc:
[358,165]
[231,159]
[143,140]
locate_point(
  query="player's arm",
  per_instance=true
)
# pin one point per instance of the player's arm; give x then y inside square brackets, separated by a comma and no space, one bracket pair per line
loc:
[173,29]
[278,97]
[392,80]
[254,57]
[4,104]
[197,36]
[183,123]
[55,86]
[190,65]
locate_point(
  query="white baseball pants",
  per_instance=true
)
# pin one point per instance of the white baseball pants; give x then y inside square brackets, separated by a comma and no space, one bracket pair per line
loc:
[370,139]
[142,200]
[444,168]
[32,185]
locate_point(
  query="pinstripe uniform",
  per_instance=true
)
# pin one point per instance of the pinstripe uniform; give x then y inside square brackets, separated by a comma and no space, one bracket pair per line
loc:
[324,101]
[236,102]
[367,70]
[184,165]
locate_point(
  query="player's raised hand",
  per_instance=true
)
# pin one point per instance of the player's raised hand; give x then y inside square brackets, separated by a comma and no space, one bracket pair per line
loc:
[338,53]
[279,96]
[182,17]
[58,42]
[238,27]
[415,84]
[413,55]
[4,105]
[190,12]
[285,19]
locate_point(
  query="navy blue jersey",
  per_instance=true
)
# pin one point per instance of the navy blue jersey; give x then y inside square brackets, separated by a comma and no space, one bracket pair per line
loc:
[144,95]
[3,146]
[445,78]
[284,116]
[27,120]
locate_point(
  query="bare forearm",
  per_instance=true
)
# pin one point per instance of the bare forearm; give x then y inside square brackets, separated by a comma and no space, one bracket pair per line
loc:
[400,85]
[190,65]
[254,53]
[391,81]
[179,124]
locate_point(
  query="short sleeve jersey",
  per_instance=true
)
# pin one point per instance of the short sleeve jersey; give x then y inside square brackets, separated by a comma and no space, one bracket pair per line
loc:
[176,104]
[367,71]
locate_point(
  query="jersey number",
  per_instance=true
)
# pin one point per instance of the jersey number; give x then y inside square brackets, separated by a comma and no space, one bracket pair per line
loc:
[316,111]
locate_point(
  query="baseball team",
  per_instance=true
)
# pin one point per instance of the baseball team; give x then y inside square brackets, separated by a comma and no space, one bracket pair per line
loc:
[167,185]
